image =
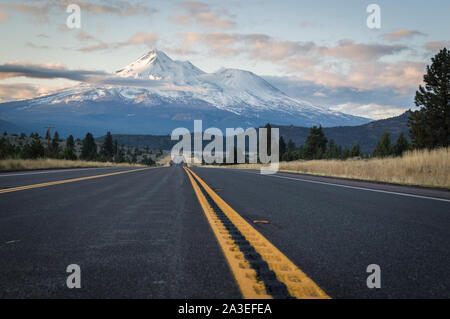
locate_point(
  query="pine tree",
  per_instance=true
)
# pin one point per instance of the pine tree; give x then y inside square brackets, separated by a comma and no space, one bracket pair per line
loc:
[345,153]
[33,150]
[356,151]
[401,145]
[89,148]
[116,147]
[333,150]
[54,149]
[119,157]
[430,126]
[69,151]
[269,138]
[384,146]
[291,152]
[7,150]
[282,145]
[291,146]
[316,143]
[108,147]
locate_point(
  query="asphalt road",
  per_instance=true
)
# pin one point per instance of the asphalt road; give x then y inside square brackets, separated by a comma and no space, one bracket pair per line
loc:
[143,234]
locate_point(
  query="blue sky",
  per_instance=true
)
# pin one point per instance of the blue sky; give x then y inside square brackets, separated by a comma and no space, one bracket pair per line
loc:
[321,51]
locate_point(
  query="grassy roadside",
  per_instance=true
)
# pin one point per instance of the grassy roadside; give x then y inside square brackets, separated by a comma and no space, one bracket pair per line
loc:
[9,165]
[420,168]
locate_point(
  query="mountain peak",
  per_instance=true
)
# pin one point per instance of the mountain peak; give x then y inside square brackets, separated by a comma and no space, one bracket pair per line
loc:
[156,65]
[154,54]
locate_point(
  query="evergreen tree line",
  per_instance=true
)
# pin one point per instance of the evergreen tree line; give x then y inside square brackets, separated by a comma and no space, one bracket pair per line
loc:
[109,151]
[317,146]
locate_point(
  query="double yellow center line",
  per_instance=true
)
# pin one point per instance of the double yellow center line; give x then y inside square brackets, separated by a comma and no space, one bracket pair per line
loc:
[231,231]
[65,181]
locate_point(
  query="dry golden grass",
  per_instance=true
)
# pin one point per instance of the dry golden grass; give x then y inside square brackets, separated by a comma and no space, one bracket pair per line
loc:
[419,167]
[29,164]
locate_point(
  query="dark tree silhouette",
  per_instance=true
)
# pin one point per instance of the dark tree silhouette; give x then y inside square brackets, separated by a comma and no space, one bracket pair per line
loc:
[401,145]
[430,126]
[384,146]
[316,143]
[89,148]
[69,151]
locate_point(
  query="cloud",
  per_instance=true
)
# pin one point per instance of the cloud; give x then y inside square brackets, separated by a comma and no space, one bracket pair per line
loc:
[46,71]
[372,110]
[307,24]
[344,64]
[181,19]
[123,8]
[3,15]
[41,10]
[96,47]
[202,13]
[402,34]
[13,92]
[400,77]
[58,71]
[136,39]
[301,63]
[259,46]
[264,47]
[84,36]
[38,10]
[435,46]
[374,102]
[361,52]
[36,46]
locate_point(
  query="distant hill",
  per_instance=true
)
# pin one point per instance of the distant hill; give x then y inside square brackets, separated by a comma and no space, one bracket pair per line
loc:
[366,135]
[10,128]
[154,142]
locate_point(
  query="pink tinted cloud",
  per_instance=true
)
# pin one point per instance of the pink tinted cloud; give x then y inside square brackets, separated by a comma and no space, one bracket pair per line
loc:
[148,39]
[203,14]
[402,34]
[361,52]
[3,15]
[434,46]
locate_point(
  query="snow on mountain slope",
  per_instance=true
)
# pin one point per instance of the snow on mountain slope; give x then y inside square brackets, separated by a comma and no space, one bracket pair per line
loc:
[156,89]
[156,65]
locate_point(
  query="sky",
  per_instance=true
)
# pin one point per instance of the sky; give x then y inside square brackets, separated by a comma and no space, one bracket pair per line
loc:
[320,51]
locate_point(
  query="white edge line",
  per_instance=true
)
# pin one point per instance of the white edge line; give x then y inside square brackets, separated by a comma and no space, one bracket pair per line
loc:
[352,187]
[53,171]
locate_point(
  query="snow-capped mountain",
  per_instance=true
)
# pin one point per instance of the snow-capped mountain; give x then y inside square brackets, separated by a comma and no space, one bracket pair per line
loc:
[155,94]
[156,65]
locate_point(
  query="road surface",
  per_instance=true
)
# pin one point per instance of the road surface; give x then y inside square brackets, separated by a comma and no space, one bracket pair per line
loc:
[146,234]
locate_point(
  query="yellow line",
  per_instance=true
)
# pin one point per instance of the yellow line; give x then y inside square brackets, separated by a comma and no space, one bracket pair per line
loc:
[20,188]
[297,282]
[246,278]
